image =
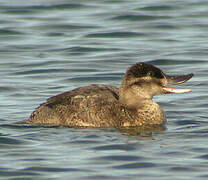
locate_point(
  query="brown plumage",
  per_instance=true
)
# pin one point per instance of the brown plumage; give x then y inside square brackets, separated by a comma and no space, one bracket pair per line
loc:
[108,106]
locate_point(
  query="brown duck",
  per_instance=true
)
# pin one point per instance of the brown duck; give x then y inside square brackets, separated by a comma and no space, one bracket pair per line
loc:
[109,106]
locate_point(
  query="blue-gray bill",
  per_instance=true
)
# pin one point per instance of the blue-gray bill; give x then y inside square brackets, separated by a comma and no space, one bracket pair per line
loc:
[171,80]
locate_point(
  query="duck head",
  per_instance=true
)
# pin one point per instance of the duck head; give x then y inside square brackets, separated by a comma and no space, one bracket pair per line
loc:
[142,81]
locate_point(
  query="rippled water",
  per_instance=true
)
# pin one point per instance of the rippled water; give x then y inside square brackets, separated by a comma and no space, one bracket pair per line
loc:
[48,47]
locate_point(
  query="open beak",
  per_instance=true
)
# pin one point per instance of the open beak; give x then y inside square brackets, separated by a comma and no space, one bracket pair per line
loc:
[172,80]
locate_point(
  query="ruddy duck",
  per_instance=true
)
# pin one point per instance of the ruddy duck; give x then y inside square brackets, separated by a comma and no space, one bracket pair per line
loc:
[109,106]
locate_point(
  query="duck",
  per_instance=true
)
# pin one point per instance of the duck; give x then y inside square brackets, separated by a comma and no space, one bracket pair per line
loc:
[99,105]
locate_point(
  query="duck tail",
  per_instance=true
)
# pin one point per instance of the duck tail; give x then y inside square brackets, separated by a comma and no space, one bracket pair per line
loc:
[22,122]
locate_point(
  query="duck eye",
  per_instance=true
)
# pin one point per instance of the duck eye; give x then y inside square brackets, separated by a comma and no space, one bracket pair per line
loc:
[150,73]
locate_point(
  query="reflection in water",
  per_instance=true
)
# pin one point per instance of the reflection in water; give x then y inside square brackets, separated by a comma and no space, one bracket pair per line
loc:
[143,132]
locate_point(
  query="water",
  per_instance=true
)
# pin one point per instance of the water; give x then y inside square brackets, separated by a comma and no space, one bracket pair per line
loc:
[48,47]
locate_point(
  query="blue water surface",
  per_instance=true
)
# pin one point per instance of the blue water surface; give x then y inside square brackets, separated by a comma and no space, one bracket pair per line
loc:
[48,47]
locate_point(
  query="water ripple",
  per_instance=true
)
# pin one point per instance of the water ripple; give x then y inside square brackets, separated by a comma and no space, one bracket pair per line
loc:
[123,147]
[115,34]
[119,158]
[135,165]
[138,17]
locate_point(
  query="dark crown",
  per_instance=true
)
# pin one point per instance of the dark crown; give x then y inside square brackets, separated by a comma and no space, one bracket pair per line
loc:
[144,69]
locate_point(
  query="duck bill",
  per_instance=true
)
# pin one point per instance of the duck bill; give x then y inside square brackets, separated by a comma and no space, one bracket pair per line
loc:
[172,80]
[174,90]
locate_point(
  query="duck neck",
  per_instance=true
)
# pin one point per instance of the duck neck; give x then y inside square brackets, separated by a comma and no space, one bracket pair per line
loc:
[134,97]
